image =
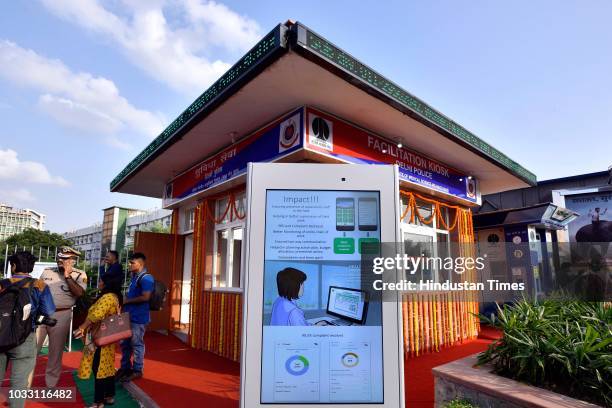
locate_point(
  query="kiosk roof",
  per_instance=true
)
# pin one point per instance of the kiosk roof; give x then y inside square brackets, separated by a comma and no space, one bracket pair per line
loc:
[293,66]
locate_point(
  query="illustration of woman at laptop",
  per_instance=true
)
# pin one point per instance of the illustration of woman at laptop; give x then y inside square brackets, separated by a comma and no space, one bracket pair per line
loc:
[285,312]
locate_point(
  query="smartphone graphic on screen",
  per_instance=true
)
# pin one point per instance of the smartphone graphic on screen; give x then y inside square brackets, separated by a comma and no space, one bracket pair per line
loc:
[345,214]
[368,214]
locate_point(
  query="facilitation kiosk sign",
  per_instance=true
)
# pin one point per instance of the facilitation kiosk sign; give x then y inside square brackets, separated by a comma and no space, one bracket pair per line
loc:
[313,334]
[310,130]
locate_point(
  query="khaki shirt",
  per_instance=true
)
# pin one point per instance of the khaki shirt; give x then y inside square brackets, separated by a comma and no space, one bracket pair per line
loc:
[59,288]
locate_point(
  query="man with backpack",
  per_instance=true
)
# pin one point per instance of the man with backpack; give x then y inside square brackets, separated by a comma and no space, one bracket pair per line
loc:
[24,301]
[142,286]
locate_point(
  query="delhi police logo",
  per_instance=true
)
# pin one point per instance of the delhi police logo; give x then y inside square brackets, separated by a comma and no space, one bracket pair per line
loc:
[321,132]
[289,133]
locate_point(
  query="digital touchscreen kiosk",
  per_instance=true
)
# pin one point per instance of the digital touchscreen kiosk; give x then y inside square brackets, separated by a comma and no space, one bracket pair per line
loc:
[314,333]
[322,341]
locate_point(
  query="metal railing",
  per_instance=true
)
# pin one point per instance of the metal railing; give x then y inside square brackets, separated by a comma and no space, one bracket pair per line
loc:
[48,255]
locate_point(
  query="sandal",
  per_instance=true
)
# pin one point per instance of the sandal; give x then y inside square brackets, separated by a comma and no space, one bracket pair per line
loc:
[109,401]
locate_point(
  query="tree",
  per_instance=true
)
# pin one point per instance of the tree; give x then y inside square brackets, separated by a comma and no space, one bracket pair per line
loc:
[42,243]
[35,238]
[157,227]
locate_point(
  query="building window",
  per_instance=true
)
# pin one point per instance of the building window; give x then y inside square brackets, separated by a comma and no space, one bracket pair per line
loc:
[229,232]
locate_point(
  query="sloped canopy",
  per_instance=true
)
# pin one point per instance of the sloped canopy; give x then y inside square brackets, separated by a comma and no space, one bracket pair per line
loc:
[292,66]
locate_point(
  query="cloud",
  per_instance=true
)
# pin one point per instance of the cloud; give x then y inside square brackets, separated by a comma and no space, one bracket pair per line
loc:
[19,195]
[120,144]
[170,40]
[75,99]
[11,168]
[78,116]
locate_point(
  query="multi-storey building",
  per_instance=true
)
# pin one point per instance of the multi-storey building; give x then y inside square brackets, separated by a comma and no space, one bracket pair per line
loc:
[15,220]
[157,220]
[117,231]
[87,240]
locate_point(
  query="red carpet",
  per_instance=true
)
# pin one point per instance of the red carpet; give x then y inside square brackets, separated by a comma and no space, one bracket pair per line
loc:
[489,333]
[179,376]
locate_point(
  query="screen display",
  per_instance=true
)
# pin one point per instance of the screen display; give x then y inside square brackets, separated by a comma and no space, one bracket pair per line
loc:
[368,214]
[345,214]
[322,333]
[561,214]
[347,303]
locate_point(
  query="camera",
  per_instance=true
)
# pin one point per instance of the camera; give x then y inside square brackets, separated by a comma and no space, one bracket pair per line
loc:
[47,321]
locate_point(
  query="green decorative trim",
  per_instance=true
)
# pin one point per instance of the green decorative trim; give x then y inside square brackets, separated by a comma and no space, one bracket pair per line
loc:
[336,56]
[270,43]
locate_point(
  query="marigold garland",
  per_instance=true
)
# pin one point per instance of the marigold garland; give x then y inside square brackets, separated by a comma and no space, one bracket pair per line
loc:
[440,319]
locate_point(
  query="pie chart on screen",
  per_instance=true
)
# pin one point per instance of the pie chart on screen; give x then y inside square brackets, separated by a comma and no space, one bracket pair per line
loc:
[350,360]
[297,365]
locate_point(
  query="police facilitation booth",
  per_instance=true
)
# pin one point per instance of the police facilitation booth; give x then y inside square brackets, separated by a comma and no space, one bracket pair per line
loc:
[298,98]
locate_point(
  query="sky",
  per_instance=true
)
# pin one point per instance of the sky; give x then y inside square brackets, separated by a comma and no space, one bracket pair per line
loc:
[85,85]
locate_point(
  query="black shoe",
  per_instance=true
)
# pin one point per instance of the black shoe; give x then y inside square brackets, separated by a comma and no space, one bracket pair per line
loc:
[121,373]
[133,376]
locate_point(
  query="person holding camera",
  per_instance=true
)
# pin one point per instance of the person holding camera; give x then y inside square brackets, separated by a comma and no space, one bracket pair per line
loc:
[27,301]
[66,284]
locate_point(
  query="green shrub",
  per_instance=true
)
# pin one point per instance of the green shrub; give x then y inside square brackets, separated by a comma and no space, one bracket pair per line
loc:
[561,345]
[459,403]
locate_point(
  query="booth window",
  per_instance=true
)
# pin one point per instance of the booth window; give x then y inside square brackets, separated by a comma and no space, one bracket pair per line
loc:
[229,232]
[189,220]
[426,236]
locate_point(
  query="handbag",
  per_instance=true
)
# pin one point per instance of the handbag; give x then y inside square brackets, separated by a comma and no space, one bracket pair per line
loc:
[112,329]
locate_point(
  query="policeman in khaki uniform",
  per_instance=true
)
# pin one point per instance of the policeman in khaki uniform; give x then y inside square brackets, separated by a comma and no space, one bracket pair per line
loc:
[66,284]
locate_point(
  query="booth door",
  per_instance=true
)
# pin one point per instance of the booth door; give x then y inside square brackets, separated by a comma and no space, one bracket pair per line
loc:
[430,243]
[160,250]
[185,283]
